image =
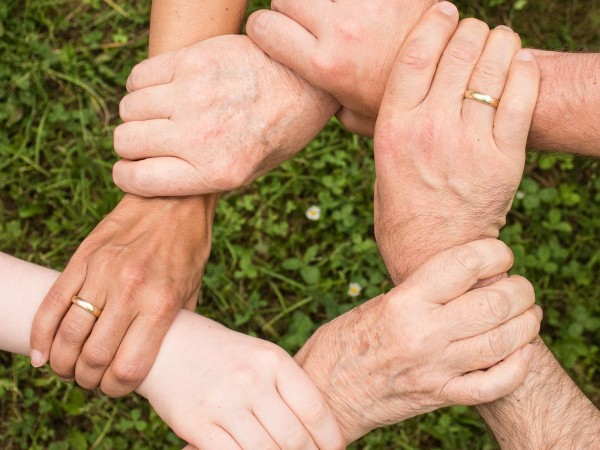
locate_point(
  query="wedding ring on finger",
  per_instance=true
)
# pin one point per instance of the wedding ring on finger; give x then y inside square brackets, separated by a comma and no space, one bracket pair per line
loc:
[96,312]
[482,98]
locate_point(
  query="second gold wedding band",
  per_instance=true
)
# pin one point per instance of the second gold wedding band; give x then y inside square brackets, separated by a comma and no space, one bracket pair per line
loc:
[87,306]
[482,98]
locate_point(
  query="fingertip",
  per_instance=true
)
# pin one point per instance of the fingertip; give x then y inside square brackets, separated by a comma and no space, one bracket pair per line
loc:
[37,358]
[257,23]
[526,353]
[448,8]
[118,174]
[539,312]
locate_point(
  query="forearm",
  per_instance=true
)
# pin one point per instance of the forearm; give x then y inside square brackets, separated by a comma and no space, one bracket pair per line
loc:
[547,411]
[178,23]
[566,116]
[175,24]
[23,286]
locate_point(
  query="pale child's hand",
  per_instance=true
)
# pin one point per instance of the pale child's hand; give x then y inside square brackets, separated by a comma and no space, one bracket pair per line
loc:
[219,389]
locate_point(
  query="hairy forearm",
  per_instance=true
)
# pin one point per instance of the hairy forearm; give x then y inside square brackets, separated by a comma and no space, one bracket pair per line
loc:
[547,411]
[566,116]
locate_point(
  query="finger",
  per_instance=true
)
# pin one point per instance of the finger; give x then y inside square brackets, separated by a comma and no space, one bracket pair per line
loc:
[101,346]
[417,61]
[159,177]
[285,41]
[248,432]
[308,14]
[490,74]
[208,436]
[453,272]
[515,112]
[304,399]
[489,348]
[53,308]
[355,123]
[74,330]
[147,139]
[153,71]
[137,352]
[283,425]
[486,386]
[456,65]
[150,103]
[483,309]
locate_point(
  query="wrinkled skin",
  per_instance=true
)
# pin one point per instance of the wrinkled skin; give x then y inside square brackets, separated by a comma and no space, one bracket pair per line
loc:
[212,117]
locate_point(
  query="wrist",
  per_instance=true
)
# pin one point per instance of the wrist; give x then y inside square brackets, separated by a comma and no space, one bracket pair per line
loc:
[547,411]
[569,93]
[405,245]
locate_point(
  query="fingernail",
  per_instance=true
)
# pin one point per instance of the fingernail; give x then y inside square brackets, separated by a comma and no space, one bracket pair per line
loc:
[448,9]
[524,55]
[37,359]
[538,311]
[527,353]
[504,27]
[67,380]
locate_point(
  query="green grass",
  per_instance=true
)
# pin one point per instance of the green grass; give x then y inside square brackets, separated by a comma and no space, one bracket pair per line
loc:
[273,274]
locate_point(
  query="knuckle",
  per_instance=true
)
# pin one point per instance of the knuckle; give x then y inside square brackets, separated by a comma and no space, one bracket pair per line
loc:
[415,56]
[523,289]
[230,174]
[96,357]
[463,52]
[349,31]
[132,277]
[71,332]
[297,439]
[489,70]
[327,66]
[247,376]
[496,345]
[127,373]
[498,304]
[274,355]
[466,258]
[61,369]
[56,300]
[168,303]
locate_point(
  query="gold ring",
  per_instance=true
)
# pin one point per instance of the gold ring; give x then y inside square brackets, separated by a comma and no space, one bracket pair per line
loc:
[87,306]
[482,98]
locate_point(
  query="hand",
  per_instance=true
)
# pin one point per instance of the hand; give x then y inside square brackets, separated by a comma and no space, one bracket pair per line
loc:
[448,167]
[344,48]
[218,389]
[212,117]
[428,342]
[141,265]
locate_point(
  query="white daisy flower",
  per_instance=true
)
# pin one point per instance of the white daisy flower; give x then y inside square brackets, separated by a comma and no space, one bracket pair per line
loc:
[520,195]
[313,213]
[354,289]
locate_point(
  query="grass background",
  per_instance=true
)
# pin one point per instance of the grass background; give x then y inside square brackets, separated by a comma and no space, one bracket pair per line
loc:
[63,66]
